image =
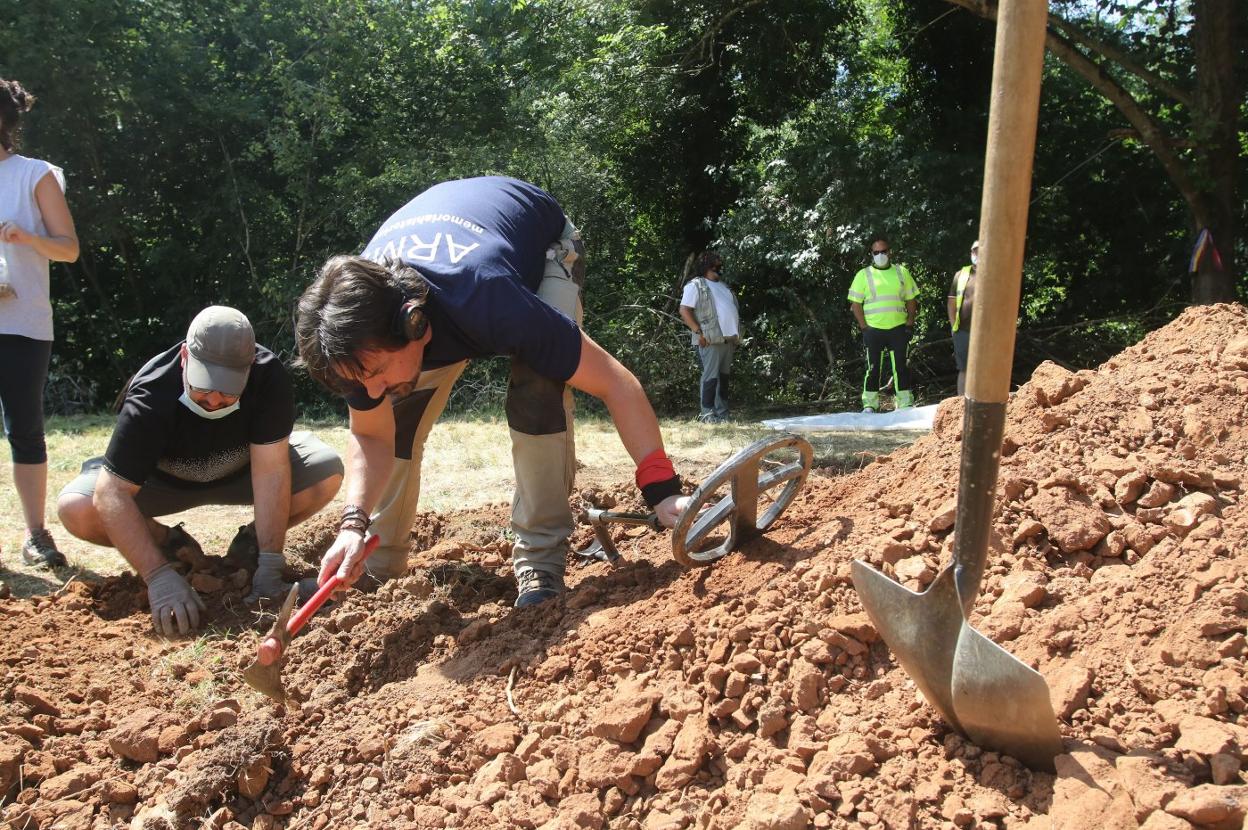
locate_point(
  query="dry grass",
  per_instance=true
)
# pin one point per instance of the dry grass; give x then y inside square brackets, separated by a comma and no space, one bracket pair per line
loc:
[467,464]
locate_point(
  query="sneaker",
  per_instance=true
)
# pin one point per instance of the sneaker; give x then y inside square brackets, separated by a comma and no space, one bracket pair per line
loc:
[868,410]
[40,550]
[536,586]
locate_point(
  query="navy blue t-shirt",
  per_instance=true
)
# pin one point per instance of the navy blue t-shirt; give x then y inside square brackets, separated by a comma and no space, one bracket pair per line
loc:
[481,245]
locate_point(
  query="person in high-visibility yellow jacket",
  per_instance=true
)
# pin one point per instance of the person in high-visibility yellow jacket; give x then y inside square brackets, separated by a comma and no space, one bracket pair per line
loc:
[960,299]
[883,300]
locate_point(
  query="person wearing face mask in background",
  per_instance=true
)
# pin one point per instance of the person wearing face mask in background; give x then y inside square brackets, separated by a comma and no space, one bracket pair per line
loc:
[882,298]
[205,422]
[961,298]
[709,309]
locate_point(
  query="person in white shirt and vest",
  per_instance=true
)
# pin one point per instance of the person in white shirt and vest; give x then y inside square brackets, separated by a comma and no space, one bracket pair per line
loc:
[882,298]
[709,309]
[961,298]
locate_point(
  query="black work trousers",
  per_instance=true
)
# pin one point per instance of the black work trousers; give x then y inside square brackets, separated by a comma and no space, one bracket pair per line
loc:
[895,341]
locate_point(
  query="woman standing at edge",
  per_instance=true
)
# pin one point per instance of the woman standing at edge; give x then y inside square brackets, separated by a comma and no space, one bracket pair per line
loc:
[35,228]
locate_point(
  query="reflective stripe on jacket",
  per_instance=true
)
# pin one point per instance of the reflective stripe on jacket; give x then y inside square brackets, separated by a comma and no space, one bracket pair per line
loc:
[887,291]
[964,276]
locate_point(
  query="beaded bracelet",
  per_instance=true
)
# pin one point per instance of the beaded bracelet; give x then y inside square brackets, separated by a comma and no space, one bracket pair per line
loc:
[355,518]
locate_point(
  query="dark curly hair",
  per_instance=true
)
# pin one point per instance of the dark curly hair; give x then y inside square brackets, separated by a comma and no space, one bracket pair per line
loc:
[14,100]
[354,305]
[706,261]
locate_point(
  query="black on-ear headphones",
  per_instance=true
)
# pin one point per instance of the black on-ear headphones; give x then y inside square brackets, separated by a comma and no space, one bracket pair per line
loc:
[410,321]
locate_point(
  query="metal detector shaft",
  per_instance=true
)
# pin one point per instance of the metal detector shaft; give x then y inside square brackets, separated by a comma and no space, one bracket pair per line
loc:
[604,549]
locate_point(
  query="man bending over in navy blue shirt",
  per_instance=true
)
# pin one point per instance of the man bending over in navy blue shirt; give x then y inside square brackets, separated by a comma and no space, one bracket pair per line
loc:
[472,268]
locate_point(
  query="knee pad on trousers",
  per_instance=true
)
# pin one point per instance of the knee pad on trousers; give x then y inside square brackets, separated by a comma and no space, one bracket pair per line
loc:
[408,413]
[386,563]
[28,448]
[534,403]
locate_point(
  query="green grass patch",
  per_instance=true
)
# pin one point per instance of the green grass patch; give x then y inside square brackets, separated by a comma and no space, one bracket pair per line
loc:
[467,464]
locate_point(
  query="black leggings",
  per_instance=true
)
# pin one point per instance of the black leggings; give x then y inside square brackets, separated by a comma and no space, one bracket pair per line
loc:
[23,372]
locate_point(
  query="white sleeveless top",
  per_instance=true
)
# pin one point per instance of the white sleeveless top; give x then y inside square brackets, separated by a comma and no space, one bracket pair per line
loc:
[30,313]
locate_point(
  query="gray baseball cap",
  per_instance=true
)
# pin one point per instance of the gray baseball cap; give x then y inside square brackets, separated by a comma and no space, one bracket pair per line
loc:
[221,347]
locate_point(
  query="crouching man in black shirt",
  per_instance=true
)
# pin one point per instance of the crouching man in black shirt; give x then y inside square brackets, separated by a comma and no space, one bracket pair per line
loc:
[206,422]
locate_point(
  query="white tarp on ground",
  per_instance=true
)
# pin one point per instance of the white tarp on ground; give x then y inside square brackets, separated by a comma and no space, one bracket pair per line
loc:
[914,418]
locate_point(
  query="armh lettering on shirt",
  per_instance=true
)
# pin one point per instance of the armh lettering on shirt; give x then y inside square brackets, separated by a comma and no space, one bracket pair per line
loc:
[410,247]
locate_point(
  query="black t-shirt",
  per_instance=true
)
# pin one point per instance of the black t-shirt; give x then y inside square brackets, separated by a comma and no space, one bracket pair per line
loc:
[156,434]
[481,245]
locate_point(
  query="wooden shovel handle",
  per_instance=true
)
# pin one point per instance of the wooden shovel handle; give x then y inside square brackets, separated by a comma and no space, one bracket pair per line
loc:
[1012,120]
[1016,69]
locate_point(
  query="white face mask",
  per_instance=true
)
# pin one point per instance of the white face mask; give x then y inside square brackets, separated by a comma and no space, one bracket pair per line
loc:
[210,414]
[880,260]
[974,259]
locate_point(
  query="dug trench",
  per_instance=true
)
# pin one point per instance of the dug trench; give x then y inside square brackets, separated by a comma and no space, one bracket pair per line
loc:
[753,693]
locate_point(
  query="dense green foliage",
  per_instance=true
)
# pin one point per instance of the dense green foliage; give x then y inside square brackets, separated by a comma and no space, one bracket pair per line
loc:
[218,150]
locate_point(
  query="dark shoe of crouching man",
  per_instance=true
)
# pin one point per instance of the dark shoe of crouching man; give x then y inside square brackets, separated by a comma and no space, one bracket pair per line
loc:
[205,422]
[468,269]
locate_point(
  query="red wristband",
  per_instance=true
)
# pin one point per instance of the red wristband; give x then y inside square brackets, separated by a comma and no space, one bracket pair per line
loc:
[653,468]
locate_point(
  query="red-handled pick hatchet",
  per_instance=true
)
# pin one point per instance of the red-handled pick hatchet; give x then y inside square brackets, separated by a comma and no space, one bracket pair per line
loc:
[265,673]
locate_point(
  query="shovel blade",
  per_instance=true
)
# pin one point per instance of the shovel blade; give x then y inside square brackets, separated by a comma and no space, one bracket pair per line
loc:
[1002,703]
[981,689]
[267,680]
[921,629]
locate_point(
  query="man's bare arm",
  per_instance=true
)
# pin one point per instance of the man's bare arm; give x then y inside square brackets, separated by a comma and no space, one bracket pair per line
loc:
[270,487]
[126,527]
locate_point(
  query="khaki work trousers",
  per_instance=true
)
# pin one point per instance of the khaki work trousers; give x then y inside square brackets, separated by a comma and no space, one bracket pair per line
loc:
[539,416]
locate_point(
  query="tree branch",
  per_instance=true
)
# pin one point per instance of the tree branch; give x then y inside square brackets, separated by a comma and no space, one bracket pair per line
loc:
[1150,131]
[245,242]
[1077,35]
[823,336]
[705,44]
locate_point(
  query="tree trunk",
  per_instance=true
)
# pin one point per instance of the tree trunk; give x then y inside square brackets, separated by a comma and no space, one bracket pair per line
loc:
[1214,131]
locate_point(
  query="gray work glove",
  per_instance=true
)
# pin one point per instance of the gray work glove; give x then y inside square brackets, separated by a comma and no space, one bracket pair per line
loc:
[266,582]
[175,605]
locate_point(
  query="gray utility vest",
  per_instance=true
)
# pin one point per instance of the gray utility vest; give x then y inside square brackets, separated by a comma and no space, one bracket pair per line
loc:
[708,319]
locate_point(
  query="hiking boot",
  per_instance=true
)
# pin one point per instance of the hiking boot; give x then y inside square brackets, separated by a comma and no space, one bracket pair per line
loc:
[244,550]
[40,551]
[536,586]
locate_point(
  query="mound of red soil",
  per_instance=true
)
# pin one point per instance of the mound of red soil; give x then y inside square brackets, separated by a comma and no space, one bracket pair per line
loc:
[753,693]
